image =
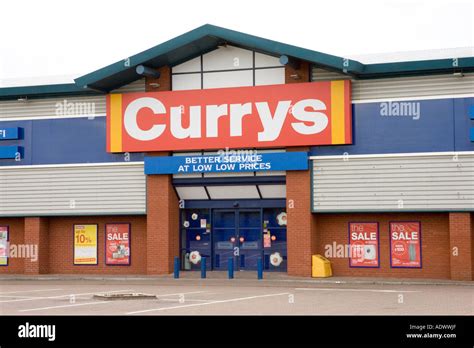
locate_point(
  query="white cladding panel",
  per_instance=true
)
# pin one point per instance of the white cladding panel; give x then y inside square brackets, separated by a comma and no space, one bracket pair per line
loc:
[227,58]
[52,108]
[403,87]
[73,190]
[324,75]
[269,76]
[438,182]
[192,65]
[136,86]
[420,86]
[186,82]
[265,61]
[225,79]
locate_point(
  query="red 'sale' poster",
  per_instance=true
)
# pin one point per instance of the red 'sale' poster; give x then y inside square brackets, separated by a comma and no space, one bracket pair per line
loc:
[117,244]
[405,244]
[364,244]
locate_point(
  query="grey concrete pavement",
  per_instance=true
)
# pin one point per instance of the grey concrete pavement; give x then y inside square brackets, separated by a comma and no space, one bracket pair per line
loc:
[241,296]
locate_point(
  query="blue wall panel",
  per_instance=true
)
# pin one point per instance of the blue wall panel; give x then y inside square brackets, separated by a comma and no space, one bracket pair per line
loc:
[463,124]
[444,125]
[374,133]
[74,140]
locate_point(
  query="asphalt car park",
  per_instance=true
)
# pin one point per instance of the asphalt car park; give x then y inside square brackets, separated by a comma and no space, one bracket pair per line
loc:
[232,297]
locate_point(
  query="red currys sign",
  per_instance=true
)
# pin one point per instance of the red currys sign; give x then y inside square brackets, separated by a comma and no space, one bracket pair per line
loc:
[316,113]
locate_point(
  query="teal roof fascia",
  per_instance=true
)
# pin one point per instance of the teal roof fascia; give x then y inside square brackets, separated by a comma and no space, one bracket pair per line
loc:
[42,91]
[450,64]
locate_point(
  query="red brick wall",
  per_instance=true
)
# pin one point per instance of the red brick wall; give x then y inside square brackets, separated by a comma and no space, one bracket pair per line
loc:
[460,233]
[298,75]
[162,224]
[16,227]
[61,245]
[36,234]
[301,239]
[472,245]
[164,81]
[434,235]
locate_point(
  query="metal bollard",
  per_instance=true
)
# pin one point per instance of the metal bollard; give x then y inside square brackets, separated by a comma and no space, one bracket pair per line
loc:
[230,266]
[176,267]
[259,268]
[203,267]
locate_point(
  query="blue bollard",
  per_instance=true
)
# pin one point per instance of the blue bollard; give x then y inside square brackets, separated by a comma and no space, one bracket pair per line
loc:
[230,266]
[259,268]
[203,267]
[176,267]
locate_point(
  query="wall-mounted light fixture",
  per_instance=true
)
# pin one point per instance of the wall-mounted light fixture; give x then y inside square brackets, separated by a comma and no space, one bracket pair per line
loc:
[147,71]
[285,60]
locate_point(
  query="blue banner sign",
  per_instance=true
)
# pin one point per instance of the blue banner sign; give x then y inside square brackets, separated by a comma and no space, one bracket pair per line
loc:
[9,133]
[7,152]
[225,163]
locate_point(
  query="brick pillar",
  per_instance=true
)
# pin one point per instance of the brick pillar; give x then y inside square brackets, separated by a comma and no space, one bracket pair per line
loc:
[460,243]
[36,236]
[162,224]
[162,203]
[301,239]
[301,223]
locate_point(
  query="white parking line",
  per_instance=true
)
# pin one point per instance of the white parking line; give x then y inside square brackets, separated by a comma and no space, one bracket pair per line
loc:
[17,292]
[67,295]
[361,290]
[65,306]
[187,300]
[181,293]
[207,303]
[13,296]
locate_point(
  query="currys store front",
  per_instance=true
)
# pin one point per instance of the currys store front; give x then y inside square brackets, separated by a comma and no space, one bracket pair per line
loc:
[228,147]
[233,198]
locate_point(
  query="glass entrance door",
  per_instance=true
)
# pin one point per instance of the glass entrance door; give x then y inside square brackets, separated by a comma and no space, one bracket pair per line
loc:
[241,234]
[249,239]
[237,234]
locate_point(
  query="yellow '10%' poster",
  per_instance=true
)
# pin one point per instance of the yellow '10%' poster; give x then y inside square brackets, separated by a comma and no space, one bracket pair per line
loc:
[85,244]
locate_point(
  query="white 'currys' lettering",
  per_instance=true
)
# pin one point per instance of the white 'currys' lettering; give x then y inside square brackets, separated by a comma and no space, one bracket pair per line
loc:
[213,113]
[272,124]
[308,113]
[130,118]
[237,113]
[194,129]
[318,119]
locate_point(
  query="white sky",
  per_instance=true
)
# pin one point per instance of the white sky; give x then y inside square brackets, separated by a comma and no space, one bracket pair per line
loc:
[49,37]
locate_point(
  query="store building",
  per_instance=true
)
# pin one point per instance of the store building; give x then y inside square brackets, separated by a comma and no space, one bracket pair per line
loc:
[224,145]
